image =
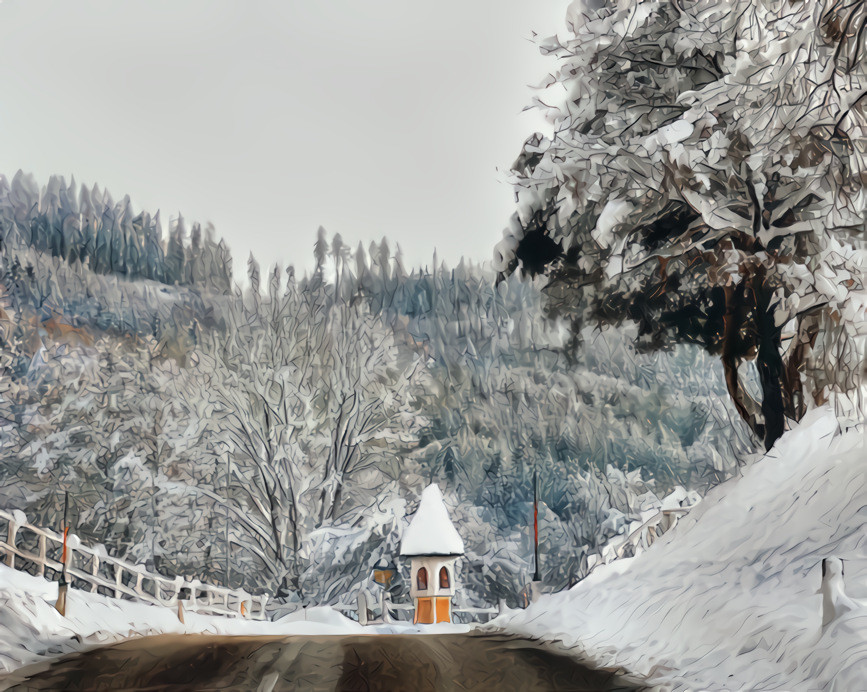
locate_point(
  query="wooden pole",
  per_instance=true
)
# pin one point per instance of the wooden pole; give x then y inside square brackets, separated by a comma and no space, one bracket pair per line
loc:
[228,549]
[536,577]
[62,585]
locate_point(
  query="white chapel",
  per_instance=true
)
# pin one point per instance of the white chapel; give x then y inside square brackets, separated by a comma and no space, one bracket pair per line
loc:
[433,545]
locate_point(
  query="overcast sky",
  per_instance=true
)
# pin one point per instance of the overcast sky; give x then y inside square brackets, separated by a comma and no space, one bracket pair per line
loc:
[269,118]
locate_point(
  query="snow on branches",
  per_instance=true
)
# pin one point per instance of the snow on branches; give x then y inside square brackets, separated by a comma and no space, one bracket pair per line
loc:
[706,179]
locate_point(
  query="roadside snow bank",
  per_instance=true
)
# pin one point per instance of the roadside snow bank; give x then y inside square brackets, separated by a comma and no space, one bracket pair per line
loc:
[732,597]
[31,628]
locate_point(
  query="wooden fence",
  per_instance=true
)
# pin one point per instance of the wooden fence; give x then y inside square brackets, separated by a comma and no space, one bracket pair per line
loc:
[26,546]
[387,609]
[641,537]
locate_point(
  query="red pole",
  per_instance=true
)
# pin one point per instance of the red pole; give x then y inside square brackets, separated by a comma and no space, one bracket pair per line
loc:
[65,535]
[62,585]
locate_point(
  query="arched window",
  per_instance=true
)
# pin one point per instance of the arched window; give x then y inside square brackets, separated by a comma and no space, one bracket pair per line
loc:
[444,578]
[421,579]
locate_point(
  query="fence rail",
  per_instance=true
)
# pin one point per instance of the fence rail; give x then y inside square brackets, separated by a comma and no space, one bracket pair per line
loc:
[644,535]
[118,578]
[361,609]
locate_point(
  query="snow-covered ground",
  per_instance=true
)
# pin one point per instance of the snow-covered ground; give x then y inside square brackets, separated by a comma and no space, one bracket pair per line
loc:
[31,629]
[732,598]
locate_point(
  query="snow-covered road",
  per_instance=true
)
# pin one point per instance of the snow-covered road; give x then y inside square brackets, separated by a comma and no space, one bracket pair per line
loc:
[433,662]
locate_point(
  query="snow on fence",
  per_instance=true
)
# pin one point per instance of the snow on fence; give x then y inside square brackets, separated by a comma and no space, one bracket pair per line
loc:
[93,569]
[642,536]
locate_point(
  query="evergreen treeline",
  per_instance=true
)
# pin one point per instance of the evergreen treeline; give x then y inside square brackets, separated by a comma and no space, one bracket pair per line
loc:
[85,225]
[277,436]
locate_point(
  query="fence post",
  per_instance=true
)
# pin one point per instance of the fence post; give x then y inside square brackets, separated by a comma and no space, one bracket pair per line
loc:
[362,608]
[94,571]
[138,579]
[118,572]
[386,616]
[70,556]
[10,556]
[42,554]
[193,595]
[176,584]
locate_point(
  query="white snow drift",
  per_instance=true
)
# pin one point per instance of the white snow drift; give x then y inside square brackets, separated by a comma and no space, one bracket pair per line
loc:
[31,629]
[734,598]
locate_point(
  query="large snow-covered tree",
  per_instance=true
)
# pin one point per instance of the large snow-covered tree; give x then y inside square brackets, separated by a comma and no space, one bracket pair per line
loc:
[706,180]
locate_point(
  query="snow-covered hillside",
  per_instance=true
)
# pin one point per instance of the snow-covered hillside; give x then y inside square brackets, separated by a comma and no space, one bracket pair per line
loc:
[732,598]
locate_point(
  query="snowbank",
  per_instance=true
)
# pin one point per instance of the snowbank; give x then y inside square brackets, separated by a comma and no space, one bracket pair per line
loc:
[732,599]
[31,628]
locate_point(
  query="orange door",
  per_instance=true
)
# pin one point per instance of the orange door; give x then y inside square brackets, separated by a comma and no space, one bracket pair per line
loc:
[443,608]
[424,611]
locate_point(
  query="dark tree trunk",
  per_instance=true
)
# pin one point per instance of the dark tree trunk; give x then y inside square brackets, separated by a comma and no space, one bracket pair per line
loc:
[793,389]
[753,309]
[732,323]
[769,361]
[794,397]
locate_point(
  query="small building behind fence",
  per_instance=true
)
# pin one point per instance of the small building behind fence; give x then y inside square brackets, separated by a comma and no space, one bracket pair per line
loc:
[433,545]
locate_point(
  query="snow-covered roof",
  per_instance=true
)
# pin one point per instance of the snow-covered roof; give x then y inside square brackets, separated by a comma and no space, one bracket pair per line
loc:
[431,532]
